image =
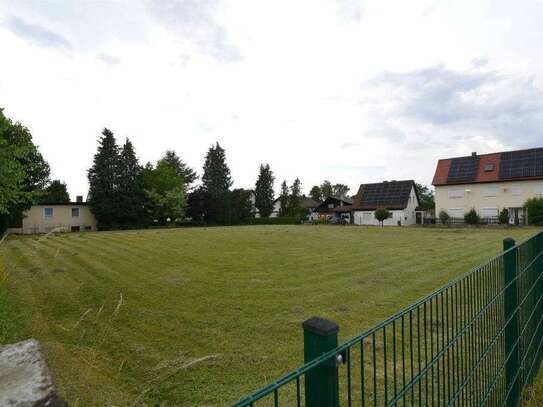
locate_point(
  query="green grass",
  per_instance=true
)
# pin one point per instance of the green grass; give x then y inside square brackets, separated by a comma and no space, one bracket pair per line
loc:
[204,316]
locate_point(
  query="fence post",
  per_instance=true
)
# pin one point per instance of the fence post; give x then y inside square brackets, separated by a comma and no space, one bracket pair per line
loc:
[511,329]
[321,383]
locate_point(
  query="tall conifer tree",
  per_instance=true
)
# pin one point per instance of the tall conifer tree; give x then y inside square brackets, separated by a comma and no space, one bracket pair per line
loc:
[216,183]
[295,198]
[103,182]
[181,168]
[264,191]
[284,199]
[130,188]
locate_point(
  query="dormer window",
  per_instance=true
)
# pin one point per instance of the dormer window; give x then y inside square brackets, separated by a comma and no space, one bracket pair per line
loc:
[489,167]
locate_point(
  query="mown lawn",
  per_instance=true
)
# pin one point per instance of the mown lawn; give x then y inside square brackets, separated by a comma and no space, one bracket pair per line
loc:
[204,316]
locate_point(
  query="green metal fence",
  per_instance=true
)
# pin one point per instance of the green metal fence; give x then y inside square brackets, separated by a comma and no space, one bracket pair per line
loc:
[475,341]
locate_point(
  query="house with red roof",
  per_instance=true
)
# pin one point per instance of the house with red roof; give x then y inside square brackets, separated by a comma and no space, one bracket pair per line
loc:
[489,183]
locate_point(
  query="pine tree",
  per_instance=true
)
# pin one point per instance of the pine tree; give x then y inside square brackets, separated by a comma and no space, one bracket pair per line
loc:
[284,199]
[181,168]
[216,182]
[295,198]
[264,191]
[130,188]
[55,192]
[103,182]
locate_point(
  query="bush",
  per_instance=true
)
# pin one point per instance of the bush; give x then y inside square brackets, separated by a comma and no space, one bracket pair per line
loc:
[381,214]
[472,218]
[503,217]
[444,217]
[534,207]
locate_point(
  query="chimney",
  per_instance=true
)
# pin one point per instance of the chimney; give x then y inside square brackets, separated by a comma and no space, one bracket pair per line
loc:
[474,154]
[79,198]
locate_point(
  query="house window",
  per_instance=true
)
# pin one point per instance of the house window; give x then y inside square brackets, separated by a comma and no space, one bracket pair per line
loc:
[75,212]
[489,192]
[489,167]
[88,228]
[47,212]
[456,193]
[456,212]
[516,191]
[489,212]
[331,206]
[76,229]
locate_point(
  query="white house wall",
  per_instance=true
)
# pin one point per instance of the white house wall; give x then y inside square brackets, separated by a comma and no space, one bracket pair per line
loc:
[485,197]
[405,216]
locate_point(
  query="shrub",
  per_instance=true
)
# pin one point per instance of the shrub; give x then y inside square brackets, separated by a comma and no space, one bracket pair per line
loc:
[381,214]
[534,207]
[444,217]
[503,217]
[472,218]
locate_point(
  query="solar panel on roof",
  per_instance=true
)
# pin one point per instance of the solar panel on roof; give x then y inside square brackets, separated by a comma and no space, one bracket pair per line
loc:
[525,163]
[386,194]
[463,169]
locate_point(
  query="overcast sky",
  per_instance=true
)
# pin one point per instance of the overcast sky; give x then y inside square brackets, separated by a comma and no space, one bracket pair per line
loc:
[346,90]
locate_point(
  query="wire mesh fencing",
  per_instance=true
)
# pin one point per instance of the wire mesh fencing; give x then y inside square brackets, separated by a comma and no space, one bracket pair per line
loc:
[475,341]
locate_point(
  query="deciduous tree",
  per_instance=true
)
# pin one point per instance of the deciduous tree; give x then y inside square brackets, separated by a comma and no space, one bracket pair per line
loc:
[316,193]
[23,171]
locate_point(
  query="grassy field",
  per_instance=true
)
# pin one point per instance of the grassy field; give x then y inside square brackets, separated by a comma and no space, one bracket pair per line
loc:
[203,316]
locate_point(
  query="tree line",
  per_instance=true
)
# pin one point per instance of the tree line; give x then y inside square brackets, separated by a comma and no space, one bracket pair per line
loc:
[125,194]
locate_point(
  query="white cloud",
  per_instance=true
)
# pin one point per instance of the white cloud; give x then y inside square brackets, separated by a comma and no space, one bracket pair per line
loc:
[344,90]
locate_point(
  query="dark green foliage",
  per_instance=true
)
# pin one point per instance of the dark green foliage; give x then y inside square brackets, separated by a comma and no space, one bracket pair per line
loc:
[326,189]
[240,206]
[164,193]
[103,182]
[381,214]
[503,217]
[131,198]
[55,192]
[534,207]
[471,217]
[340,190]
[444,217]
[23,171]
[426,197]
[196,205]
[294,207]
[181,168]
[264,194]
[216,182]
[316,193]
[283,199]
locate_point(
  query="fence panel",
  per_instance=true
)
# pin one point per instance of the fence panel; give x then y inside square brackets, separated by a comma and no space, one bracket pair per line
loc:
[475,341]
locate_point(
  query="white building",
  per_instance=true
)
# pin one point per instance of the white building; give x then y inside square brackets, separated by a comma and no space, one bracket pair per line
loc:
[399,197]
[489,183]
